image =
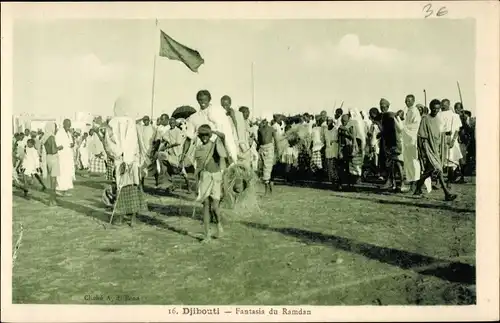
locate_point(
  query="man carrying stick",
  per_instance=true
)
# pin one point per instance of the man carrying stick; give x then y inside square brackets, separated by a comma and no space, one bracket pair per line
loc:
[122,144]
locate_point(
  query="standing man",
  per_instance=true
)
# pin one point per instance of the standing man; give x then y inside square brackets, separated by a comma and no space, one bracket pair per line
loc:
[66,160]
[226,123]
[410,151]
[450,150]
[251,137]
[196,120]
[338,114]
[384,109]
[122,143]
[146,137]
[429,140]
[267,145]
[147,132]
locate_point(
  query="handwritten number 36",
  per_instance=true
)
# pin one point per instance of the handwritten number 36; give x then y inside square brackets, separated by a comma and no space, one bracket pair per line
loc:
[429,11]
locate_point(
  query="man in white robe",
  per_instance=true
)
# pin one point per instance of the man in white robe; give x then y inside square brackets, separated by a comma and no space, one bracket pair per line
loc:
[84,151]
[147,132]
[66,159]
[196,120]
[451,154]
[123,144]
[278,125]
[223,121]
[410,150]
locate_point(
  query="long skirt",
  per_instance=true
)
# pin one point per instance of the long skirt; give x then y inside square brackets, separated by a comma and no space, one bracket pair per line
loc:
[316,161]
[267,160]
[450,157]
[331,168]
[356,164]
[97,165]
[110,169]
[304,160]
[130,200]
[429,160]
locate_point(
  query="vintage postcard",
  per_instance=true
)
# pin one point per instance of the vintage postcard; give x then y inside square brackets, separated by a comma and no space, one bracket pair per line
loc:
[243,161]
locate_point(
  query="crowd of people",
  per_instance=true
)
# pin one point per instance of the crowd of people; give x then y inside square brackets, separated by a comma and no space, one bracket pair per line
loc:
[410,150]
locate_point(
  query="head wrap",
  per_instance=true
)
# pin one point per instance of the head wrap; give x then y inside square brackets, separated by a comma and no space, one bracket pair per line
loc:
[50,130]
[384,101]
[358,122]
[123,107]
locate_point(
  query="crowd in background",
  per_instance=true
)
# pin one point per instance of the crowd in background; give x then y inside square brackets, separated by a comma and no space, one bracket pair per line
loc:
[345,149]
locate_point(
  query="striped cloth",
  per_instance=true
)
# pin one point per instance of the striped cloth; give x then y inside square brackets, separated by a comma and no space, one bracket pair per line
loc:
[304,159]
[266,154]
[316,161]
[130,200]
[331,167]
[97,165]
[110,169]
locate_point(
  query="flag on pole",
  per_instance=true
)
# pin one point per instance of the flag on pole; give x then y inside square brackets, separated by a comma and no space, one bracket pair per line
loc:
[171,49]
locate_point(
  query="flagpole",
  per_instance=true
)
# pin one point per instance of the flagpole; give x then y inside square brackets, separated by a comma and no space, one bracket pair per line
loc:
[154,71]
[253,89]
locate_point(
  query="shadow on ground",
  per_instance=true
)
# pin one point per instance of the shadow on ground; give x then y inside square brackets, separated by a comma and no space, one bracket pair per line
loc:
[414,202]
[451,271]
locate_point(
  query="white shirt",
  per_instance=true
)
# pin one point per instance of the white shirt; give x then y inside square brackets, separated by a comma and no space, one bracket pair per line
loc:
[280,129]
[196,120]
[450,121]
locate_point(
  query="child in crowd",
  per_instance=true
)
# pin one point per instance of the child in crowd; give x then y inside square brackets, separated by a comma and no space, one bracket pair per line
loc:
[30,166]
[210,159]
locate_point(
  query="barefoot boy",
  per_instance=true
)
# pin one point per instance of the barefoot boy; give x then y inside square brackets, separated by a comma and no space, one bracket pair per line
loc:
[210,159]
[31,166]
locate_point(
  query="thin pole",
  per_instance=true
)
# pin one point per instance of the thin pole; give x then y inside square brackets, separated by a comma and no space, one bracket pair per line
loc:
[460,94]
[253,89]
[154,73]
[425,98]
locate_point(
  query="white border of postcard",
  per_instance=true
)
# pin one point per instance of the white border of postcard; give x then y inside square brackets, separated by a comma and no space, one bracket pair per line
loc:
[486,15]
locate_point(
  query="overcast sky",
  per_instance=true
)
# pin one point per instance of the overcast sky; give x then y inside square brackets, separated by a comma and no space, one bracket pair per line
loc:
[61,67]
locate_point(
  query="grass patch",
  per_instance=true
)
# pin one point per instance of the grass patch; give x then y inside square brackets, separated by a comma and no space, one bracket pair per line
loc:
[305,246]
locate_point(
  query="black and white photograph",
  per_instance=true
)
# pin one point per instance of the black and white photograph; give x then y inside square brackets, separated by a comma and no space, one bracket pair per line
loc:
[265,168]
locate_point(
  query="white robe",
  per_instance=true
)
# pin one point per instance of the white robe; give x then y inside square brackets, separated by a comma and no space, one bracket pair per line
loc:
[123,143]
[84,153]
[66,161]
[31,161]
[450,122]
[147,134]
[223,123]
[410,150]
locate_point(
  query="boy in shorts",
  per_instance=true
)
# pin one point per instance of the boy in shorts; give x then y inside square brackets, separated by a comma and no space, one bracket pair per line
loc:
[210,159]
